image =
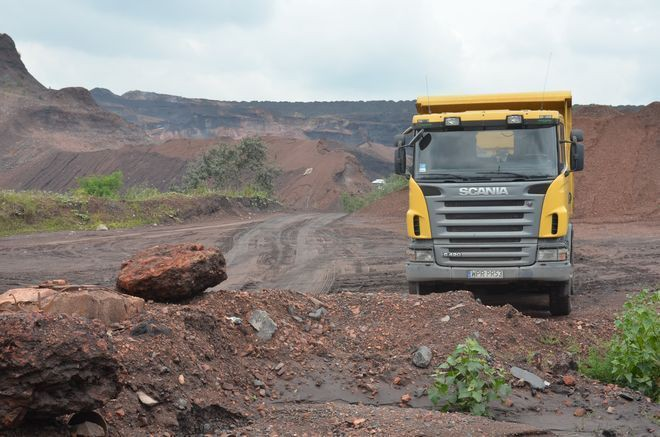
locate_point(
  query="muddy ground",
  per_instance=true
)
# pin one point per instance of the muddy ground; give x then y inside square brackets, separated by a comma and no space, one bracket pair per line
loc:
[354,363]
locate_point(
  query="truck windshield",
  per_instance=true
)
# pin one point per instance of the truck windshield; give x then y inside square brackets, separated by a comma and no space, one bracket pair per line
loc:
[478,154]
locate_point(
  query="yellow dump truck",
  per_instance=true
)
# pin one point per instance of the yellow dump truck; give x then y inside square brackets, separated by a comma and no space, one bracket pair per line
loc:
[491,194]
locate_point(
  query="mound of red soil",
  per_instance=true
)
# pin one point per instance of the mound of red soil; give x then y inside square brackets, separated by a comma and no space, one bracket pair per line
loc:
[393,205]
[621,180]
[35,121]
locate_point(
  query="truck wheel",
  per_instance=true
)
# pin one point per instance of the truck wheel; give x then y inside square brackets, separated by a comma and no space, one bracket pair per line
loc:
[560,299]
[417,288]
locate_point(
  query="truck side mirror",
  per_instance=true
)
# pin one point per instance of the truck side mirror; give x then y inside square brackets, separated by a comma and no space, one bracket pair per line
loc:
[400,160]
[577,156]
[425,141]
[577,136]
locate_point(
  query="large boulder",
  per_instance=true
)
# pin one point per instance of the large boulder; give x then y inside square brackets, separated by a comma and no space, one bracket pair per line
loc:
[53,365]
[103,304]
[170,273]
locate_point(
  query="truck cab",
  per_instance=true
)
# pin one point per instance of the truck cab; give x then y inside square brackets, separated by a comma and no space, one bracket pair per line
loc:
[491,194]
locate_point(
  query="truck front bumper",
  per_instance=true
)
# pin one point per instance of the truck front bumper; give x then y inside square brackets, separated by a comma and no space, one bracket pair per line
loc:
[542,272]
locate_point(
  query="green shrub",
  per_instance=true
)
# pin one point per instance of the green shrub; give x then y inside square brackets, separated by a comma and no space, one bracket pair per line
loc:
[354,202]
[232,168]
[632,357]
[466,381]
[102,185]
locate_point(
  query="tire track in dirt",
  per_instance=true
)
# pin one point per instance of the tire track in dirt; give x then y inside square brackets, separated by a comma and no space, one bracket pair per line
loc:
[288,251]
[94,257]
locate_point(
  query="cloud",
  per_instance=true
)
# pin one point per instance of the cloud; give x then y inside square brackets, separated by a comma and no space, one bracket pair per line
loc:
[605,51]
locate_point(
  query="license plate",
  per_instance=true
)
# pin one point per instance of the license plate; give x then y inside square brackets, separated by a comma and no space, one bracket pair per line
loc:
[485,274]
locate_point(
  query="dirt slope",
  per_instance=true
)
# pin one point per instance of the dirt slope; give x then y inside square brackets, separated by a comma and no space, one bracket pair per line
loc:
[35,121]
[166,116]
[621,179]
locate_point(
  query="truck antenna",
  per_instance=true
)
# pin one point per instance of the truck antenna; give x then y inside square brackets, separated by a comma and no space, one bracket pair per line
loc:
[428,98]
[545,82]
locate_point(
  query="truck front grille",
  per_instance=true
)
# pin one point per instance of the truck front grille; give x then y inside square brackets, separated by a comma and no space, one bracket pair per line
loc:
[484,232]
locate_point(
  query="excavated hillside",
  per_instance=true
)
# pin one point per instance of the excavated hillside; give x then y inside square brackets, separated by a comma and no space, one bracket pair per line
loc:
[36,121]
[165,116]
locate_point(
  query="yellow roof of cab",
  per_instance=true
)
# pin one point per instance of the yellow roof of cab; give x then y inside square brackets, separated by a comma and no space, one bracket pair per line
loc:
[550,100]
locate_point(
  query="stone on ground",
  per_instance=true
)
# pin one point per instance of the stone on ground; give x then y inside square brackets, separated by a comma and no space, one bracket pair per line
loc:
[172,272]
[106,305]
[263,324]
[422,357]
[53,365]
[103,304]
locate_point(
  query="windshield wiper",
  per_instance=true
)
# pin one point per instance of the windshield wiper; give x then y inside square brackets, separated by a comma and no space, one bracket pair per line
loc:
[446,176]
[514,174]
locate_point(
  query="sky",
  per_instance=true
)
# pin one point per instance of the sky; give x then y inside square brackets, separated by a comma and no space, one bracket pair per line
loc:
[604,51]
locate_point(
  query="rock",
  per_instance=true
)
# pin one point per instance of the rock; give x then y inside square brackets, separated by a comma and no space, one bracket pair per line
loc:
[170,273]
[258,383]
[579,412]
[234,320]
[25,299]
[87,429]
[422,357]
[263,324]
[316,315]
[145,399]
[101,227]
[181,404]
[533,380]
[53,283]
[182,379]
[53,365]
[611,410]
[103,304]
[568,380]
[148,327]
[99,303]
[445,319]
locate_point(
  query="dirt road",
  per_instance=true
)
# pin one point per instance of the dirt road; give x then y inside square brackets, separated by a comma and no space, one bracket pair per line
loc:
[312,252]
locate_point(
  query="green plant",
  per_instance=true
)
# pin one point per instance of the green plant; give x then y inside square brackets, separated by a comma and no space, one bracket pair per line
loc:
[549,339]
[102,185]
[232,167]
[632,357]
[466,381]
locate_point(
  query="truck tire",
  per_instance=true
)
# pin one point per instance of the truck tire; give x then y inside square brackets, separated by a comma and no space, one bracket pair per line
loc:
[417,288]
[560,299]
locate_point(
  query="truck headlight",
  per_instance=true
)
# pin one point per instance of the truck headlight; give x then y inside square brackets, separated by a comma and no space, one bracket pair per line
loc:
[420,255]
[552,255]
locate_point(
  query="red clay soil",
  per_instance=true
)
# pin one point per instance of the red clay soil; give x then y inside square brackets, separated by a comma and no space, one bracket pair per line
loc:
[621,179]
[210,373]
[35,121]
[332,171]
[393,205]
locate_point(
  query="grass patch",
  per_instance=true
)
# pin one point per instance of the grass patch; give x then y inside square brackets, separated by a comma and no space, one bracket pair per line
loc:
[549,340]
[355,202]
[38,211]
[632,357]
